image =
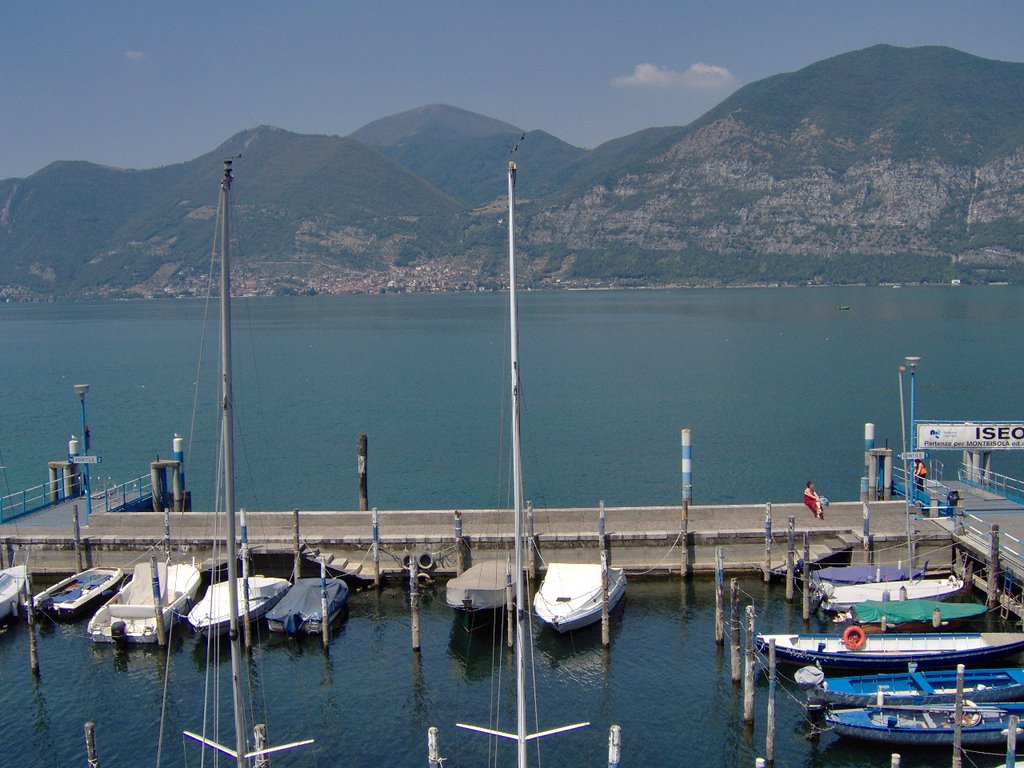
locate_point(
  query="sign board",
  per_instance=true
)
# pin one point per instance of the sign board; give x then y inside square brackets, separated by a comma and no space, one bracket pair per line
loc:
[971,435]
[86,459]
[912,455]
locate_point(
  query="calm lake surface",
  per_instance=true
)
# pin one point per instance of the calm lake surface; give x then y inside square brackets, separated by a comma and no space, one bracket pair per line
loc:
[775,384]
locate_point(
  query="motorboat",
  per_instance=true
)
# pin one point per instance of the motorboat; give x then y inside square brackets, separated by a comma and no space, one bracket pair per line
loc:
[981,725]
[13,582]
[570,596]
[874,616]
[300,611]
[130,615]
[841,597]
[480,587]
[70,598]
[259,593]
[912,687]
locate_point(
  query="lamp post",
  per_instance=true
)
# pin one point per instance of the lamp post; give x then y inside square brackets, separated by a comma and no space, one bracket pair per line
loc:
[912,363]
[80,390]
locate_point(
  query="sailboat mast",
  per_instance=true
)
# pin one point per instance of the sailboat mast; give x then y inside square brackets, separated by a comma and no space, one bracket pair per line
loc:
[517,480]
[229,464]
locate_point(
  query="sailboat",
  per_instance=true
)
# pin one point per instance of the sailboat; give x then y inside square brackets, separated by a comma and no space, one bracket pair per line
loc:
[240,752]
[521,736]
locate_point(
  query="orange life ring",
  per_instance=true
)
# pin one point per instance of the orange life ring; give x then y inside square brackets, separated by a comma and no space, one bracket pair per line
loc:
[854,638]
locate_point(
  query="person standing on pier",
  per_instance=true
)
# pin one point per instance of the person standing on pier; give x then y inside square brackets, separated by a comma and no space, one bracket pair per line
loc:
[920,473]
[813,500]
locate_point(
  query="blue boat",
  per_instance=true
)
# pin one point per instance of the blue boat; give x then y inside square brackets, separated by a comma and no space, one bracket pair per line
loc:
[917,687]
[925,726]
[300,610]
[894,652]
[74,596]
[865,574]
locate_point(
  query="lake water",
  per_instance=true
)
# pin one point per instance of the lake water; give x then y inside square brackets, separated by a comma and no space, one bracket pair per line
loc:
[775,384]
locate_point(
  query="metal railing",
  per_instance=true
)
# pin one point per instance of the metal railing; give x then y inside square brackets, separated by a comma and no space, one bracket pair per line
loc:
[131,495]
[1008,487]
[128,496]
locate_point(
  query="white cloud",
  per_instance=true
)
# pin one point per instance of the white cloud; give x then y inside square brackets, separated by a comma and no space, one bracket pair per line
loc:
[699,76]
[134,55]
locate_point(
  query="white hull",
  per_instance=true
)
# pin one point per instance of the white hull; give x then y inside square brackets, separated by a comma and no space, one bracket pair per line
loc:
[569,598]
[212,613]
[130,615]
[840,598]
[71,596]
[12,588]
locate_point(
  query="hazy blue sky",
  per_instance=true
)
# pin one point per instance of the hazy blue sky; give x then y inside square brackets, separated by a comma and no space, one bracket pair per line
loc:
[140,84]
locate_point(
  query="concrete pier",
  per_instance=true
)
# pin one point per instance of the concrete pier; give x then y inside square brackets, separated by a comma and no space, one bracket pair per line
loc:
[643,540]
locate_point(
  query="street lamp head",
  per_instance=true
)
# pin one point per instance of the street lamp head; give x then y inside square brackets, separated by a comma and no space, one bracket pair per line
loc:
[80,390]
[912,362]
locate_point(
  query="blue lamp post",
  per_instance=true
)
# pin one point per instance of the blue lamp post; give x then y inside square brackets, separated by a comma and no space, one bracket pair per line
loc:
[80,390]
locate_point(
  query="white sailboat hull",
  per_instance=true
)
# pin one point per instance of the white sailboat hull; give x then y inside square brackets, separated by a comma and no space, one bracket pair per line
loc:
[130,615]
[481,587]
[12,587]
[840,598]
[569,598]
[212,614]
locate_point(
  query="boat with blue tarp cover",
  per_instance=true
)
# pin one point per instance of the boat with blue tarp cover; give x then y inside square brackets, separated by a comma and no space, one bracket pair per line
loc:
[917,687]
[925,726]
[300,610]
[928,650]
[72,597]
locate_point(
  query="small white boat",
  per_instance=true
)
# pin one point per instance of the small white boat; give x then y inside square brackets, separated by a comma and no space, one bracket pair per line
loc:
[479,588]
[12,588]
[130,615]
[213,614]
[841,597]
[76,594]
[570,594]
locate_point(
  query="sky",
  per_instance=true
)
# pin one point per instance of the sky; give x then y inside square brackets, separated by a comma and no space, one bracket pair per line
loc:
[144,84]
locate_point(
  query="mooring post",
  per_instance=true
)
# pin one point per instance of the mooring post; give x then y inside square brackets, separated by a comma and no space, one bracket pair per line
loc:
[614,746]
[602,542]
[760,763]
[509,607]
[767,542]
[866,535]
[684,533]
[605,623]
[790,558]
[734,628]
[325,618]
[78,537]
[246,570]
[414,603]
[161,637]
[376,549]
[531,543]
[992,599]
[958,718]
[259,734]
[773,676]
[33,652]
[433,749]
[748,671]
[296,548]
[167,532]
[1011,740]
[807,577]
[90,746]
[719,596]
[894,761]
[361,458]
[460,552]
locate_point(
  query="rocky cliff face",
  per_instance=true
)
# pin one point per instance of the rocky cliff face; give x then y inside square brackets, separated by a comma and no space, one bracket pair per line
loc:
[728,189]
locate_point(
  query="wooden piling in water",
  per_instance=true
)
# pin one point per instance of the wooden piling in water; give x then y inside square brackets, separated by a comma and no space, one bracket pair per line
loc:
[602,539]
[684,540]
[161,636]
[992,598]
[376,549]
[734,629]
[790,557]
[614,746]
[259,735]
[92,761]
[605,623]
[33,651]
[894,761]
[773,676]
[325,618]
[532,550]
[414,603]
[1011,740]
[958,718]
[510,624]
[460,545]
[767,542]
[78,537]
[806,585]
[719,596]
[296,548]
[434,758]
[748,670]
[361,461]
[167,534]
[866,534]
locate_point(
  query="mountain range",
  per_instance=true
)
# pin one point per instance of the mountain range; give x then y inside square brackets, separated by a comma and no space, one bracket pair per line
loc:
[881,165]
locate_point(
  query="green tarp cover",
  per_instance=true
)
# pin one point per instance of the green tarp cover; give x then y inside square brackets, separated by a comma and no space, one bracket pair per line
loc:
[900,611]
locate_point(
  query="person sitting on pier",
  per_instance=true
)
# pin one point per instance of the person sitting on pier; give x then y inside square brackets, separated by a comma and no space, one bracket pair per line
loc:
[813,500]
